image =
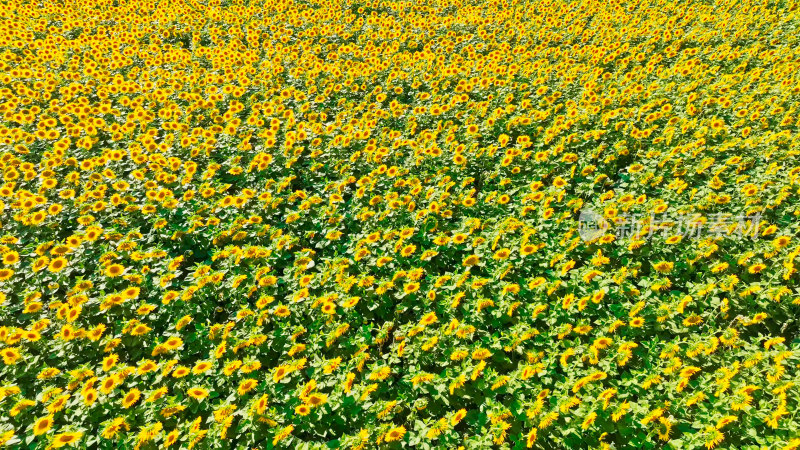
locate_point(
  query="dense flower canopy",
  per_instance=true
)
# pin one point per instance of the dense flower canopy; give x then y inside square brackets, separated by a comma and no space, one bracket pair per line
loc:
[344,224]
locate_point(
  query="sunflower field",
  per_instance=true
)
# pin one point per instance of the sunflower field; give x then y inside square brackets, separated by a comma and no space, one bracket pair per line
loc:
[432,224]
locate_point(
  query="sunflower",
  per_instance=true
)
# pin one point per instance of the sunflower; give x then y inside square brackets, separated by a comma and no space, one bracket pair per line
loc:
[458,417]
[781,241]
[57,264]
[10,257]
[501,254]
[133,292]
[408,250]
[663,266]
[262,403]
[717,124]
[10,355]
[157,394]
[58,404]
[692,320]
[42,425]
[351,302]
[428,319]
[470,260]
[180,372]
[40,263]
[114,427]
[317,399]
[113,270]
[197,393]
[6,436]
[89,397]
[201,367]
[109,361]
[302,410]
[712,437]
[664,429]
[411,287]
[69,438]
[108,385]
[329,308]
[246,386]
[282,434]
[459,238]
[481,354]
[395,434]
[171,438]
[60,250]
[131,398]
[281,311]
